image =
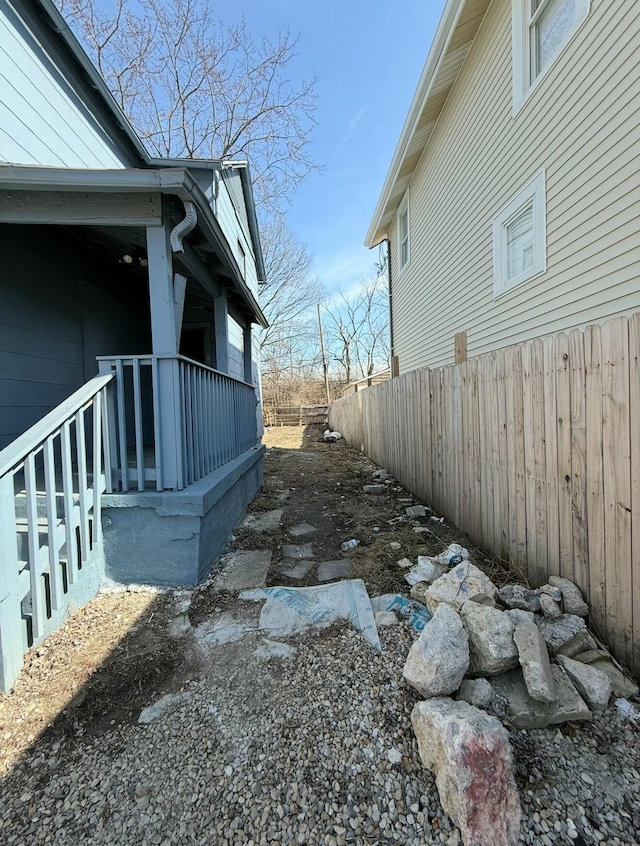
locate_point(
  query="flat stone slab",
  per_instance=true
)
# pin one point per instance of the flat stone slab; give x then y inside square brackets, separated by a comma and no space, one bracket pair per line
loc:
[152,712]
[292,550]
[244,569]
[269,649]
[340,569]
[302,529]
[263,522]
[299,571]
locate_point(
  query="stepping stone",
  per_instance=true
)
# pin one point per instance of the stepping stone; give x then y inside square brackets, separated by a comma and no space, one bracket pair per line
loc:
[274,649]
[340,569]
[298,572]
[263,522]
[244,569]
[292,550]
[302,529]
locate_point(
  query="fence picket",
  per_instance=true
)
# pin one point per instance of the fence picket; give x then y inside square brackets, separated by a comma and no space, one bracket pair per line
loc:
[595,479]
[634,405]
[535,451]
[617,484]
[563,407]
[551,455]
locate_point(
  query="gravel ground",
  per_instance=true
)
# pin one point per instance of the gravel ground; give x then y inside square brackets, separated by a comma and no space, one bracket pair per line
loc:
[315,748]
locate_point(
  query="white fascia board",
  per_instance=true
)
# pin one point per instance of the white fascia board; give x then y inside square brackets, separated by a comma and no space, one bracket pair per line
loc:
[441,40]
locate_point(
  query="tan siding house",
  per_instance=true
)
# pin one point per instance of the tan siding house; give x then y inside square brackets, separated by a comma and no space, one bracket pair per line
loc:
[519,188]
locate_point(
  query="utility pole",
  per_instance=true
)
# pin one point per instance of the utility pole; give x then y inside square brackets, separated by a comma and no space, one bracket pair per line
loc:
[324,360]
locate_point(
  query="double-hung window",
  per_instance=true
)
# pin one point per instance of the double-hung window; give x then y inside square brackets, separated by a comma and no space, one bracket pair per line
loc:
[541,30]
[519,241]
[403,234]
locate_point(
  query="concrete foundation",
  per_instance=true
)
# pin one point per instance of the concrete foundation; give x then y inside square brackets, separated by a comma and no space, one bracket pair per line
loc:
[173,537]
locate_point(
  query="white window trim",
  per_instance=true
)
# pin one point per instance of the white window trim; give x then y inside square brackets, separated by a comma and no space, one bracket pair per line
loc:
[534,192]
[404,205]
[523,86]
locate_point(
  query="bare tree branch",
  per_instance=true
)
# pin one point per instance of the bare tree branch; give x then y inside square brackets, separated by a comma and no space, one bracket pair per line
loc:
[192,85]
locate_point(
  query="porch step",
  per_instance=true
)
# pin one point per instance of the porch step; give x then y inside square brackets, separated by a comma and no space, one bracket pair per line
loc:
[22,536]
[41,499]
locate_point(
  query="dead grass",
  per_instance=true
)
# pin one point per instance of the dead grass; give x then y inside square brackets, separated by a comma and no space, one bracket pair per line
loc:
[285,437]
[57,671]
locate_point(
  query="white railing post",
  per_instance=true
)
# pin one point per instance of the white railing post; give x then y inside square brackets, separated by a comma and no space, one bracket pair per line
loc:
[110,436]
[11,624]
[167,406]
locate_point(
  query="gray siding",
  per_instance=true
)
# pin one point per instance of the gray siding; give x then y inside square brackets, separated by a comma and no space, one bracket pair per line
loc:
[582,125]
[53,322]
[47,116]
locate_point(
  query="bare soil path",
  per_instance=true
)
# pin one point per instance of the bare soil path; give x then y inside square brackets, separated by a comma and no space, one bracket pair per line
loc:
[305,742]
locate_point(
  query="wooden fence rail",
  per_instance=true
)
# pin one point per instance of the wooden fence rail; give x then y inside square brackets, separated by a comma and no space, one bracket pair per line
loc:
[534,451]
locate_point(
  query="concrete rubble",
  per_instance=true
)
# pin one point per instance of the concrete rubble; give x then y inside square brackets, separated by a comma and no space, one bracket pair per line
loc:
[469,753]
[488,658]
[439,659]
[463,583]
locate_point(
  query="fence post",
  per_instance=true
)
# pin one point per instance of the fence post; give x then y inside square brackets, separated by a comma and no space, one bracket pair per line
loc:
[11,640]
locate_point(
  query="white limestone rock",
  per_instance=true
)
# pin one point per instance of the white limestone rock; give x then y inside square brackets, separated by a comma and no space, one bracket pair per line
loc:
[469,753]
[491,644]
[549,607]
[534,660]
[520,616]
[560,630]
[477,692]
[569,705]
[439,658]
[520,597]
[591,683]
[464,582]
[572,600]
[522,711]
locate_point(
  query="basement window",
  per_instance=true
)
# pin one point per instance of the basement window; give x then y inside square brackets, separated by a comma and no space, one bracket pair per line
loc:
[519,238]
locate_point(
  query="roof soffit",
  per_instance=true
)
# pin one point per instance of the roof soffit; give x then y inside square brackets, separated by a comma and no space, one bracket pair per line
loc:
[452,42]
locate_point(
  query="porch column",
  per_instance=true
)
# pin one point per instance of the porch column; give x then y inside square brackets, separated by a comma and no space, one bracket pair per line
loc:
[248,359]
[165,339]
[221,326]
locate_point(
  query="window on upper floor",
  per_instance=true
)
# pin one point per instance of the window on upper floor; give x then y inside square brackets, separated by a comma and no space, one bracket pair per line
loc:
[541,30]
[519,238]
[403,234]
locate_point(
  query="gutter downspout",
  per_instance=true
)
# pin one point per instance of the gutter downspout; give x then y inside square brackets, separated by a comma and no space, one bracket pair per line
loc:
[185,226]
[388,243]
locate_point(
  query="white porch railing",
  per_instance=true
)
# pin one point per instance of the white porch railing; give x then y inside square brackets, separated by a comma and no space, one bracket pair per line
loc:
[173,420]
[51,480]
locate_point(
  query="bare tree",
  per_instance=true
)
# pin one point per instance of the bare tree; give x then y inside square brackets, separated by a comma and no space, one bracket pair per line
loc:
[358,330]
[196,87]
[290,292]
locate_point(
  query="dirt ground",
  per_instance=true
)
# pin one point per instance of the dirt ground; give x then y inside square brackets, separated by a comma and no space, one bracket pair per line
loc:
[124,650]
[112,657]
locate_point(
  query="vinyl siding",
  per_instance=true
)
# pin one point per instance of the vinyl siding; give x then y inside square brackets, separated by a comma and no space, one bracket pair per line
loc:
[582,125]
[46,118]
[231,213]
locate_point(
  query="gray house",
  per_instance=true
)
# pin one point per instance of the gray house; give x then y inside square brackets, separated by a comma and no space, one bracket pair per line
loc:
[129,414]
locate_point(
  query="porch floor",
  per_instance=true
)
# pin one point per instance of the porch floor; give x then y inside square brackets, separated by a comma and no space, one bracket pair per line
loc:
[305,740]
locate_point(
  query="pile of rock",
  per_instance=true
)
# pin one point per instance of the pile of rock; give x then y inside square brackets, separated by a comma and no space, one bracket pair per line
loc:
[524,655]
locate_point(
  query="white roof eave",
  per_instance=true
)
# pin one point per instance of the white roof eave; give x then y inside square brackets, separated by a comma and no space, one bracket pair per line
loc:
[377,230]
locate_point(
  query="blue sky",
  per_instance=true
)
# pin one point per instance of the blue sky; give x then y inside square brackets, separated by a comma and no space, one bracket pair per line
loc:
[368,57]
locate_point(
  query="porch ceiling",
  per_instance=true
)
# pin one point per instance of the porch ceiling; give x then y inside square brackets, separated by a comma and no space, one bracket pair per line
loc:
[121,198]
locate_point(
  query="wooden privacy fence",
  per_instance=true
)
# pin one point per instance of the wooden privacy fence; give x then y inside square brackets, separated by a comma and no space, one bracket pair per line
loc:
[534,451]
[295,415]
